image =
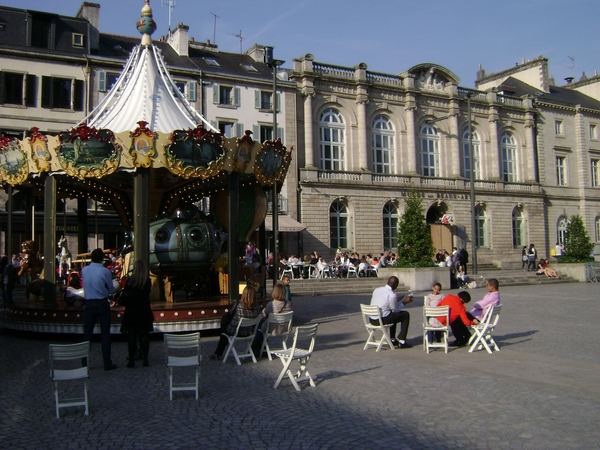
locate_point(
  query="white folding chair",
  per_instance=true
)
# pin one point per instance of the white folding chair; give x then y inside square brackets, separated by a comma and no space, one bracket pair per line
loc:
[431,325]
[246,340]
[369,311]
[287,271]
[351,271]
[301,351]
[183,350]
[314,272]
[66,365]
[485,328]
[283,322]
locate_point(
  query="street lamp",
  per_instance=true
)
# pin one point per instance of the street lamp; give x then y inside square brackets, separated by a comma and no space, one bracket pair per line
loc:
[274,64]
[472,178]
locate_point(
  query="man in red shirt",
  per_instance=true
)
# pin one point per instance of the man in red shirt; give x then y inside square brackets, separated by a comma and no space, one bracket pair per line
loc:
[459,319]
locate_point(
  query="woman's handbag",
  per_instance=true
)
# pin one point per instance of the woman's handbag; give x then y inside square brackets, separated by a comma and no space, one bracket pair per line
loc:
[228,317]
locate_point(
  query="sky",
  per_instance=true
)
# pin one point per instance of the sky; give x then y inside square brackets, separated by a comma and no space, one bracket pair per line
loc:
[390,36]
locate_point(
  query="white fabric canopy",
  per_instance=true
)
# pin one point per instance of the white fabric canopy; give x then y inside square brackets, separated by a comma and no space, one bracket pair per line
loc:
[286,224]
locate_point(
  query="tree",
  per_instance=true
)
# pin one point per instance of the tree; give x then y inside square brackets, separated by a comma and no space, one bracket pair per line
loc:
[415,246]
[577,242]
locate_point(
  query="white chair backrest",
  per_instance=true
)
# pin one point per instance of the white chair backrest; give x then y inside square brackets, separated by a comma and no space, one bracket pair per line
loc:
[247,322]
[59,352]
[493,315]
[305,335]
[435,312]
[189,340]
[279,318]
[370,311]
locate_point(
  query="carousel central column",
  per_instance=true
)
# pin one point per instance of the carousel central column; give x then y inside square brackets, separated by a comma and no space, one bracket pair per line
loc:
[141,222]
[49,242]
[233,207]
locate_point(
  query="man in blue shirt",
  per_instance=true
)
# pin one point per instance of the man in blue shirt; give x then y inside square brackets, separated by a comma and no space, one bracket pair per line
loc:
[98,286]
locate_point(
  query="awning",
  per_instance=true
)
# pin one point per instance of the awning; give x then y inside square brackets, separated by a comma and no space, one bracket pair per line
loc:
[286,223]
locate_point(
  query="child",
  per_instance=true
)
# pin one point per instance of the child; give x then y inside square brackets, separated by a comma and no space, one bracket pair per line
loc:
[288,292]
[432,300]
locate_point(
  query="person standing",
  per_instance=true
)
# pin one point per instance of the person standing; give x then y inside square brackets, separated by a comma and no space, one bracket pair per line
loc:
[532,257]
[98,286]
[524,258]
[391,311]
[138,317]
[558,250]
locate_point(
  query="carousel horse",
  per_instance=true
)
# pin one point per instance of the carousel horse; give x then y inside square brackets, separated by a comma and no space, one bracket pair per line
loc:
[31,267]
[64,258]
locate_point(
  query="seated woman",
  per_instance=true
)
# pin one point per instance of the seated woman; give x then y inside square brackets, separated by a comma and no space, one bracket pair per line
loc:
[247,308]
[541,268]
[277,305]
[550,273]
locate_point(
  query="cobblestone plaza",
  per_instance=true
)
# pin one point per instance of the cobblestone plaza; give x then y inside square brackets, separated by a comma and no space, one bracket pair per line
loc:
[540,391]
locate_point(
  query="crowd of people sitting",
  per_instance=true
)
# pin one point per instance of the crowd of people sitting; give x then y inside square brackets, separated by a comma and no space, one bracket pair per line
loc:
[343,264]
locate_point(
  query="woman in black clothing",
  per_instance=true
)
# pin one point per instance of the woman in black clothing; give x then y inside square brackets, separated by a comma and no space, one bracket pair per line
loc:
[138,317]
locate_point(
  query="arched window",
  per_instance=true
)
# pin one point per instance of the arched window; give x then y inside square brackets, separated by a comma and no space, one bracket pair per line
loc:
[561,229]
[331,129]
[430,152]
[508,151]
[518,228]
[469,162]
[383,145]
[338,225]
[481,227]
[390,226]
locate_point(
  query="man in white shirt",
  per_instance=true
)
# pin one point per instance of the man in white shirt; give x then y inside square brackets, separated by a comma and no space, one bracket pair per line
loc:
[391,311]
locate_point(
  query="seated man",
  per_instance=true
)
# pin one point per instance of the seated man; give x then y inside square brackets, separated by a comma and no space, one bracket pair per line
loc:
[391,311]
[492,298]
[459,320]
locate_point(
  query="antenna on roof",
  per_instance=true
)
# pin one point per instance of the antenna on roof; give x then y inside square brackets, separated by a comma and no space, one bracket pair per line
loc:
[171,4]
[572,67]
[215,28]
[240,37]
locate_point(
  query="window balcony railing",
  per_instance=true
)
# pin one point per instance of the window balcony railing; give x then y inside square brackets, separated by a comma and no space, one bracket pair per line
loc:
[282,203]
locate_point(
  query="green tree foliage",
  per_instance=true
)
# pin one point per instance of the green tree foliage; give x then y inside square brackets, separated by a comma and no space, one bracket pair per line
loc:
[415,246]
[577,242]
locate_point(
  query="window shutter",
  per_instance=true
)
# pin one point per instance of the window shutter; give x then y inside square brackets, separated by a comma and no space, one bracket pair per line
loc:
[256,132]
[216,99]
[257,99]
[278,102]
[191,85]
[30,90]
[102,80]
[236,97]
[46,92]
[78,96]
[280,133]
[1,87]
[239,129]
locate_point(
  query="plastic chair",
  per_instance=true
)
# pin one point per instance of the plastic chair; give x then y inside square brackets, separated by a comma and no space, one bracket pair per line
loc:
[246,340]
[283,330]
[369,311]
[287,271]
[483,330]
[314,272]
[301,351]
[69,369]
[351,270]
[432,325]
[183,350]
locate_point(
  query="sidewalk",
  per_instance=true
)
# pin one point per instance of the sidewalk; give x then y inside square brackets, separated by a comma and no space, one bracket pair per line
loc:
[540,391]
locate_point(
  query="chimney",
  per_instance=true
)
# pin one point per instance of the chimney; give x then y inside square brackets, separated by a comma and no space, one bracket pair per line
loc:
[178,39]
[91,13]
[569,80]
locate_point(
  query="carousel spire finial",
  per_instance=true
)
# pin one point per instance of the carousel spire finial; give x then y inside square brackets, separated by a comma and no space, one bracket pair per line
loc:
[146,25]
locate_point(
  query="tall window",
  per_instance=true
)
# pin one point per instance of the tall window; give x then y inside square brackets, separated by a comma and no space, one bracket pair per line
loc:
[481,227]
[593,131]
[561,170]
[430,153]
[331,127]
[469,162]
[561,229]
[595,166]
[390,226]
[17,89]
[508,151]
[518,228]
[62,93]
[558,128]
[338,225]
[597,230]
[383,145]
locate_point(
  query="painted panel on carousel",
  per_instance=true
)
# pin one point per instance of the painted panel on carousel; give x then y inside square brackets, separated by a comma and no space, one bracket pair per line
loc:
[186,240]
[272,162]
[86,152]
[196,153]
[13,161]
[251,213]
[39,150]
[143,145]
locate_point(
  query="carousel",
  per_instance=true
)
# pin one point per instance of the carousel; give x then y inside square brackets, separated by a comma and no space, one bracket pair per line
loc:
[147,152]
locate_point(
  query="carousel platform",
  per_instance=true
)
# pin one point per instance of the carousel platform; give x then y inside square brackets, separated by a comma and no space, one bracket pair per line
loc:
[37,317]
